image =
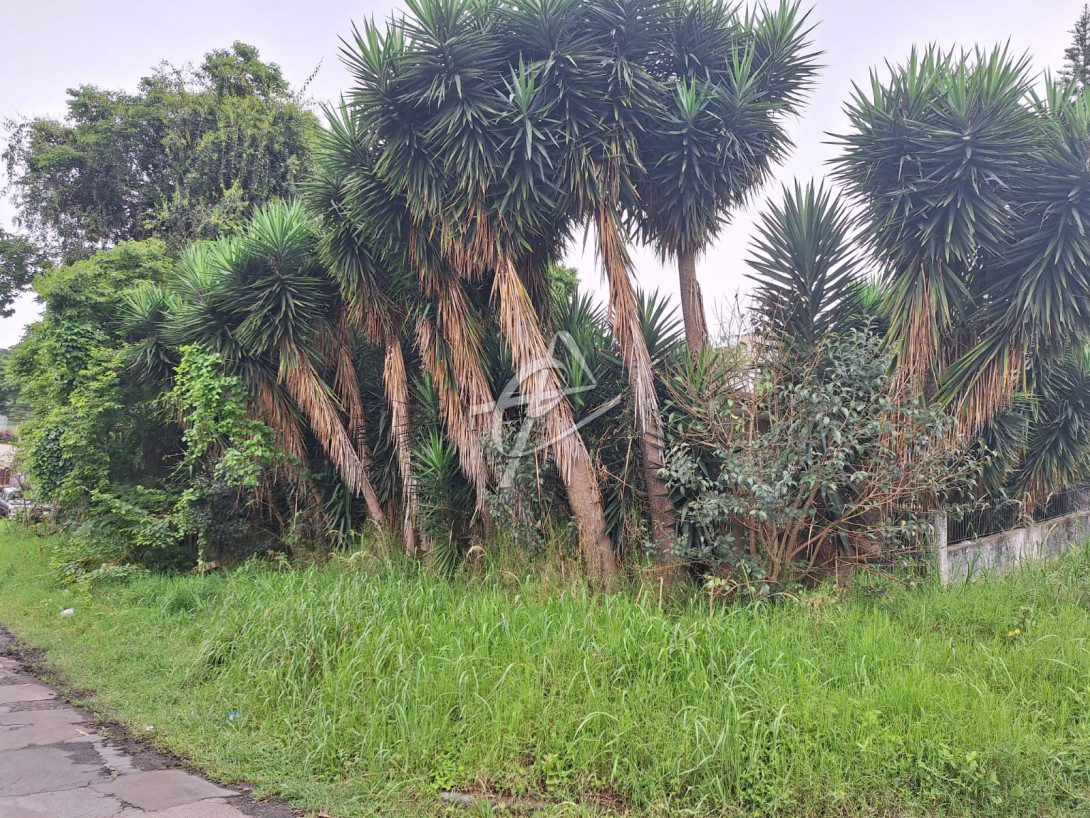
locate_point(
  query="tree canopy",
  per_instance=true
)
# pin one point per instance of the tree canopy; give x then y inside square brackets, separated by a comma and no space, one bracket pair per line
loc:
[187,156]
[20,261]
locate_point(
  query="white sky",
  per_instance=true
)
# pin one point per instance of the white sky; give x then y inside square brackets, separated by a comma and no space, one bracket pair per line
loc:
[47,46]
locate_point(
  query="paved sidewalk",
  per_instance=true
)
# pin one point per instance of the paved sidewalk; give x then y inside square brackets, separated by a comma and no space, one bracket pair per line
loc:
[54,765]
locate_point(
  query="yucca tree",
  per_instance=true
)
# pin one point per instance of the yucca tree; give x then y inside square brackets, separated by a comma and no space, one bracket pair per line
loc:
[930,162]
[973,194]
[429,88]
[806,266]
[398,183]
[581,70]
[728,84]
[265,304]
[371,271]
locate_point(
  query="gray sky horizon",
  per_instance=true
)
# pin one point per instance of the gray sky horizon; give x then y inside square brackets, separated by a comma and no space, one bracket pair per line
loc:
[52,45]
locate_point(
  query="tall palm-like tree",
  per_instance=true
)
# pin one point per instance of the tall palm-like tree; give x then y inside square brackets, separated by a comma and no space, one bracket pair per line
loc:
[583,66]
[729,83]
[930,162]
[264,303]
[370,269]
[974,195]
[446,135]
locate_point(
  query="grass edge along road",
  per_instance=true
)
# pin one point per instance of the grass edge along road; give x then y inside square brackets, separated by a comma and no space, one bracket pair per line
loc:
[357,691]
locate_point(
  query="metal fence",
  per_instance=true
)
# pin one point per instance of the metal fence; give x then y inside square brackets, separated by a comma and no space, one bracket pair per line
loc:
[994,516]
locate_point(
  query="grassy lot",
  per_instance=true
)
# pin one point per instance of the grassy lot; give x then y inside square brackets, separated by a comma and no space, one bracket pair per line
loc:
[360,691]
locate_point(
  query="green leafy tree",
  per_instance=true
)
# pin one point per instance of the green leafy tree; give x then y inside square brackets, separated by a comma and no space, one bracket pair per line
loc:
[730,82]
[791,464]
[96,443]
[20,261]
[12,402]
[187,156]
[474,188]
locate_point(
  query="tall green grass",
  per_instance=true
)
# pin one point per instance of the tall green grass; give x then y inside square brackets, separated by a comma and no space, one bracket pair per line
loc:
[369,690]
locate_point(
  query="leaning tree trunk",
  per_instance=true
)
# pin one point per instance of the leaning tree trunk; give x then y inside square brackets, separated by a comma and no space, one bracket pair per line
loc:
[396,381]
[312,396]
[539,383]
[692,304]
[637,358]
[337,346]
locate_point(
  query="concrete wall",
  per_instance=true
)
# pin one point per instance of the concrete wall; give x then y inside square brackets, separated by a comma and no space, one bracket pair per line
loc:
[1008,549]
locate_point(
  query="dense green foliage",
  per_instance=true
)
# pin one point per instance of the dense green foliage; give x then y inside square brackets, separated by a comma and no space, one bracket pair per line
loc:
[92,422]
[972,192]
[20,261]
[823,459]
[363,689]
[97,443]
[185,157]
[398,348]
[395,362]
[12,402]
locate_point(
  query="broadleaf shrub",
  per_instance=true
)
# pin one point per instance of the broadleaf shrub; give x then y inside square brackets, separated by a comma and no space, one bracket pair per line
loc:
[791,465]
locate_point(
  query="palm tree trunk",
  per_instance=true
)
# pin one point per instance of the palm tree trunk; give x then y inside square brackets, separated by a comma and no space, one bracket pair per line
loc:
[637,358]
[692,303]
[396,380]
[336,346]
[540,384]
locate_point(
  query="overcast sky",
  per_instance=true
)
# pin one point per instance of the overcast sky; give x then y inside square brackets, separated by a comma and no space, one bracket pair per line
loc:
[48,46]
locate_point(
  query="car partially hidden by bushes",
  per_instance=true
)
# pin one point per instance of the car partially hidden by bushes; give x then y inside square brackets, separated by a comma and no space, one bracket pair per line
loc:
[14,504]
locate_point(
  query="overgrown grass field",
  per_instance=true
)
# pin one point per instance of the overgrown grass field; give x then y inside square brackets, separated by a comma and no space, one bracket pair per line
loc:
[354,689]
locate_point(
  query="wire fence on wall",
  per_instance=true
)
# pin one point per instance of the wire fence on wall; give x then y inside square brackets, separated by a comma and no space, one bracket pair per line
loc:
[995,516]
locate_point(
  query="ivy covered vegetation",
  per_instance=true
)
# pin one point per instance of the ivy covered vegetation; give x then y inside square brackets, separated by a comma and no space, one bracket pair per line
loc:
[269,332]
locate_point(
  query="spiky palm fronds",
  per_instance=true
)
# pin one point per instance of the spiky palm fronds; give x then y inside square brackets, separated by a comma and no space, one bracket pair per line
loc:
[719,127]
[806,266]
[929,162]
[1056,452]
[431,89]
[145,313]
[973,194]
[263,302]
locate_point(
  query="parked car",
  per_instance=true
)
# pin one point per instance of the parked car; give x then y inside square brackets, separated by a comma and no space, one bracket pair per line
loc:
[14,504]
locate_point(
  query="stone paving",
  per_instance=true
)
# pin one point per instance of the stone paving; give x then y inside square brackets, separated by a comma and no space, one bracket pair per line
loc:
[54,765]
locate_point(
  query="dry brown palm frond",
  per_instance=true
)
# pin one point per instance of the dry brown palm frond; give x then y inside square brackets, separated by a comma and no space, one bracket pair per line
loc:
[637,359]
[313,397]
[463,339]
[992,390]
[626,323]
[452,409]
[284,424]
[336,348]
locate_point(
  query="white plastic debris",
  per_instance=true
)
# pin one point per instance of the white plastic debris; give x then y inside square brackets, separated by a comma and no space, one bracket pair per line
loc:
[68,611]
